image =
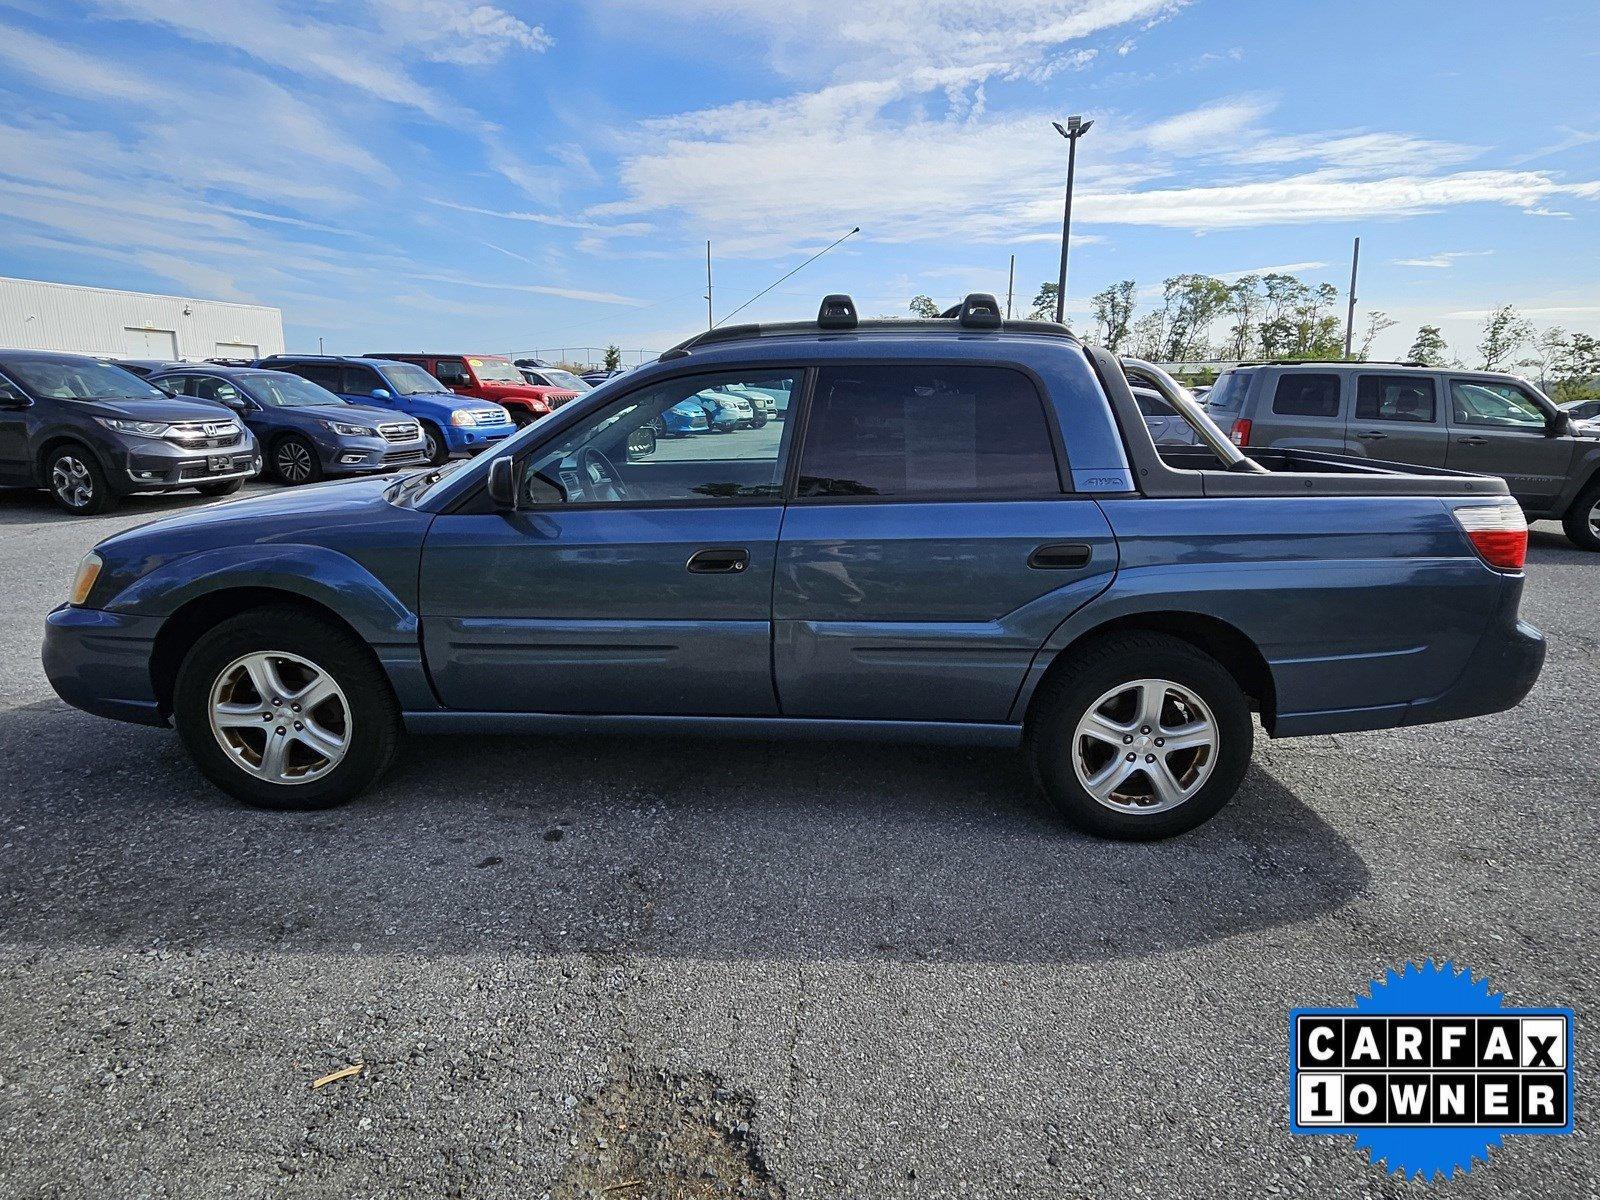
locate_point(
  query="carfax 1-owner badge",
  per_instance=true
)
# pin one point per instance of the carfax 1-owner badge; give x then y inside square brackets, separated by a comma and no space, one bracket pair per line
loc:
[1430,1070]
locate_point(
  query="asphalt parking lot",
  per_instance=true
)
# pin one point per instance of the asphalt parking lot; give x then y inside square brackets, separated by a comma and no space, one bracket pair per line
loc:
[572,967]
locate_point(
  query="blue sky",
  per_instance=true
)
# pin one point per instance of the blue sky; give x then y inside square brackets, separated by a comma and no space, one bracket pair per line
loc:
[531,176]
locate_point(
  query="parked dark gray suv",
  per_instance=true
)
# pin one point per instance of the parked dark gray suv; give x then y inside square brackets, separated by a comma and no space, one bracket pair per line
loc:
[91,433]
[1486,422]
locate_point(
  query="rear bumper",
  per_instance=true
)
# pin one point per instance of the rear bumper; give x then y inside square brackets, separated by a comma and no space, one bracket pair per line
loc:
[100,662]
[1501,671]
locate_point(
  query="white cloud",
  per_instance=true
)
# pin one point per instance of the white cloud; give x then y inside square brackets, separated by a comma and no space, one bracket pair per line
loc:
[459,31]
[1280,269]
[66,71]
[1204,129]
[1441,261]
[616,229]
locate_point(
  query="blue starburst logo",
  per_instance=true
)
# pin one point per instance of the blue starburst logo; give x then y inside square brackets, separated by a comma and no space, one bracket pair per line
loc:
[1430,1071]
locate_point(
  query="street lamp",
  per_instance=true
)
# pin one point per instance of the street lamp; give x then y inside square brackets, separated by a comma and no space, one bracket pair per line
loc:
[1074,129]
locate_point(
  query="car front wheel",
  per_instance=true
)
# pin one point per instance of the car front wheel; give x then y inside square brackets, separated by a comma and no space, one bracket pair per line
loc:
[1582,522]
[436,448]
[283,709]
[295,461]
[76,481]
[1143,736]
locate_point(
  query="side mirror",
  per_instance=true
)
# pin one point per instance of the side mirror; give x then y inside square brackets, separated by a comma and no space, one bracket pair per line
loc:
[11,399]
[380,393]
[503,484]
[1559,425]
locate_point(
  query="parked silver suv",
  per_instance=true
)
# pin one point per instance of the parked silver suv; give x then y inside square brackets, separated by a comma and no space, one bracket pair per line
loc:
[1484,422]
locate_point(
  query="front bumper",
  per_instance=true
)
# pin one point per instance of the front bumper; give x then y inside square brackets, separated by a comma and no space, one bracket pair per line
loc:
[100,662]
[151,465]
[465,440]
[368,455]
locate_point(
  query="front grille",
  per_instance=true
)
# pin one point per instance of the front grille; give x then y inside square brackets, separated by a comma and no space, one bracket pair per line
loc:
[398,432]
[400,458]
[485,416]
[206,435]
[201,468]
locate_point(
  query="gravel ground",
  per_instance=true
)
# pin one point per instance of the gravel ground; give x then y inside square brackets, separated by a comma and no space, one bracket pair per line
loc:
[670,968]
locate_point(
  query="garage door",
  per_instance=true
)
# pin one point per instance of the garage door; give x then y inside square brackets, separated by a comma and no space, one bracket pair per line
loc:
[237,350]
[150,343]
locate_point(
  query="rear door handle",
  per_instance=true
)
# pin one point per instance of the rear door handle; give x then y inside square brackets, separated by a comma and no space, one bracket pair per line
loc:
[1371,435]
[1060,556]
[1473,441]
[719,561]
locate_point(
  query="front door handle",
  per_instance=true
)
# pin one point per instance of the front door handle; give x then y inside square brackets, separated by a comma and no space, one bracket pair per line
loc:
[1060,556]
[1371,435]
[1473,441]
[719,561]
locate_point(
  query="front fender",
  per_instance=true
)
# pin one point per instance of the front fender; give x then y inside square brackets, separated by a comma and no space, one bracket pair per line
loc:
[317,573]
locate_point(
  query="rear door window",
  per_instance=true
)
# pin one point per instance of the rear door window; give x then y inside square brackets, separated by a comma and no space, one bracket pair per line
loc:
[1396,398]
[324,375]
[1305,395]
[923,430]
[359,381]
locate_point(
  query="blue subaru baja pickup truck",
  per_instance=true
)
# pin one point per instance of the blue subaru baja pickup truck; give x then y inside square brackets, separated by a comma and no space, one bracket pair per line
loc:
[962,531]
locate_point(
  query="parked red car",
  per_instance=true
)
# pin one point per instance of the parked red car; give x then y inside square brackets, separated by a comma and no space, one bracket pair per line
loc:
[489,377]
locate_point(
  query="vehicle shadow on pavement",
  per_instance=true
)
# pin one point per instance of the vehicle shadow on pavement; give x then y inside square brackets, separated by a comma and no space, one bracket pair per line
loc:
[676,847]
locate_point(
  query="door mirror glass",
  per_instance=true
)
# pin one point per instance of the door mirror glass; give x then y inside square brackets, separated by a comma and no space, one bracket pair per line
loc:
[380,393]
[503,484]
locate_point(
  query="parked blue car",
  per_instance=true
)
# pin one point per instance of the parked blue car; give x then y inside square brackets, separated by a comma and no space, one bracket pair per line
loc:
[683,419]
[305,432]
[453,426]
[966,533]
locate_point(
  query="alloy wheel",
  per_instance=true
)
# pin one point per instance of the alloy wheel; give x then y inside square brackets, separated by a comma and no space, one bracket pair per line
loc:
[1594,517]
[280,717]
[294,462]
[71,481]
[1145,746]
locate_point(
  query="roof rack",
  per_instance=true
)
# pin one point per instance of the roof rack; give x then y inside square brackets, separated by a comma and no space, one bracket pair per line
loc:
[327,357]
[230,362]
[978,313]
[1331,362]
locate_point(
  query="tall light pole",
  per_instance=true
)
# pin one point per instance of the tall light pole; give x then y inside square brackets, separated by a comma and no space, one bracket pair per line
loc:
[1074,129]
[1350,314]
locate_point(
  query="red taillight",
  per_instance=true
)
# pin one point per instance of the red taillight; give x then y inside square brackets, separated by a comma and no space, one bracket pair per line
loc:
[1240,436]
[1498,532]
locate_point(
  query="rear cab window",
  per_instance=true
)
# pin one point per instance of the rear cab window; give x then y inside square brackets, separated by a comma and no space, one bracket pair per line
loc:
[1302,394]
[927,430]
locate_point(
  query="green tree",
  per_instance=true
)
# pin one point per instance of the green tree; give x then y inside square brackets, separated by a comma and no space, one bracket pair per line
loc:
[1377,323]
[1044,304]
[1244,306]
[613,358]
[1428,347]
[1191,304]
[1505,331]
[1575,368]
[923,306]
[1113,313]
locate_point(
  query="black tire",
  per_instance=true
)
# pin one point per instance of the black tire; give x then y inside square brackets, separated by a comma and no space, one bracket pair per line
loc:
[438,450]
[1582,521]
[295,461]
[73,477]
[374,714]
[226,488]
[759,421]
[1066,697]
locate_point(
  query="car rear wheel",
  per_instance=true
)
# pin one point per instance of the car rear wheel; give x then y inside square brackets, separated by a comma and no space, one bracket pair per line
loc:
[76,481]
[1582,522]
[1142,736]
[284,710]
[294,461]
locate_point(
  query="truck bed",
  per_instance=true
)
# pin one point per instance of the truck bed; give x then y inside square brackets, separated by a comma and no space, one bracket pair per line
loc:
[1190,471]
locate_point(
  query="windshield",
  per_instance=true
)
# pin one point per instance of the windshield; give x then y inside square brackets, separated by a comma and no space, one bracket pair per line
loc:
[279,389]
[565,379]
[494,370]
[64,379]
[411,380]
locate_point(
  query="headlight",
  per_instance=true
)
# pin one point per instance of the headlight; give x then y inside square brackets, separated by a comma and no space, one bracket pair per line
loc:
[463,416]
[142,428]
[83,581]
[344,430]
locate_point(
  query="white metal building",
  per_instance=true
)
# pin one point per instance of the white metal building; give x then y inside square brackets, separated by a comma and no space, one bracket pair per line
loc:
[91,320]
